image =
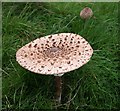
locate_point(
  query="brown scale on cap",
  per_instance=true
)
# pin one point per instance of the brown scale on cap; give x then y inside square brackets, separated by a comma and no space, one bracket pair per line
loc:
[29,45]
[35,45]
[25,55]
[55,54]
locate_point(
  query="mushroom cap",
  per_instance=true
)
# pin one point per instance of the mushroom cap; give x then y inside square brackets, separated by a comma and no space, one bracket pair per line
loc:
[55,54]
[86,13]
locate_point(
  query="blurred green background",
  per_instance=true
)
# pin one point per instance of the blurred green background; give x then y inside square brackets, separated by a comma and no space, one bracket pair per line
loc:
[93,86]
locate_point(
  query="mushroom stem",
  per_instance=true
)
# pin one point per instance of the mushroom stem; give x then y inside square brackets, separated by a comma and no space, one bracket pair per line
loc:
[58,83]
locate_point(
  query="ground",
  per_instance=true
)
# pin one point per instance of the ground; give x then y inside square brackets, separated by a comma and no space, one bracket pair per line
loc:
[93,86]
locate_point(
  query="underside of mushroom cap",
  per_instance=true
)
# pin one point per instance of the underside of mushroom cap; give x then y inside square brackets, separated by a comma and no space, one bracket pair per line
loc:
[55,54]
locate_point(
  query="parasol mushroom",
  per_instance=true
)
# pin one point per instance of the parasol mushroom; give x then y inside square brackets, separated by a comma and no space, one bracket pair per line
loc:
[86,13]
[55,55]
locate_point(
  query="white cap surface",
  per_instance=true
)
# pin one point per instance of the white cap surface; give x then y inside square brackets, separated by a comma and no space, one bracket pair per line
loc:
[55,54]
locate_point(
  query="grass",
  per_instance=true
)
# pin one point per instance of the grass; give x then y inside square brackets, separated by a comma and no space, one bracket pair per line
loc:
[93,86]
